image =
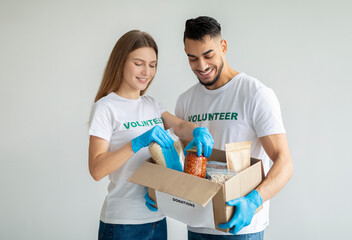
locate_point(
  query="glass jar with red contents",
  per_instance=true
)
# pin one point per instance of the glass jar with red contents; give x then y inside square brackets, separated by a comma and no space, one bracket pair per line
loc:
[195,165]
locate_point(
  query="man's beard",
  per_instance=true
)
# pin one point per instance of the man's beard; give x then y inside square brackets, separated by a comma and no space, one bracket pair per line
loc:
[216,78]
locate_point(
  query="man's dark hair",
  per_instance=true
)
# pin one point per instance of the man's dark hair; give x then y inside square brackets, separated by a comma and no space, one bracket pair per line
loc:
[198,28]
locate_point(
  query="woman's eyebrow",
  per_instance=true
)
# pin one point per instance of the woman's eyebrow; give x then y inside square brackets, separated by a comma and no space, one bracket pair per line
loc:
[139,59]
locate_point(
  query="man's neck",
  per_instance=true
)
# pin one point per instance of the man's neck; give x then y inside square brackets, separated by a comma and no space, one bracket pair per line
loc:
[226,75]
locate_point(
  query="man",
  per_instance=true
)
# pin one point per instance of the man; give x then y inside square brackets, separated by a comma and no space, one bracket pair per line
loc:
[256,117]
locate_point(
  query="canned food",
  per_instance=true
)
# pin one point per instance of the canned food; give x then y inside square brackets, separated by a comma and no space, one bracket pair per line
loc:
[195,165]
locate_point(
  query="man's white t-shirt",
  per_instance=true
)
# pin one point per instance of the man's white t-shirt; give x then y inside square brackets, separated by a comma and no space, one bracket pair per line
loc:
[242,110]
[119,120]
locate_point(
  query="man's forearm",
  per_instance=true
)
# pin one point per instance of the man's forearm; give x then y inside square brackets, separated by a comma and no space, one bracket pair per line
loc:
[276,147]
[185,131]
[277,177]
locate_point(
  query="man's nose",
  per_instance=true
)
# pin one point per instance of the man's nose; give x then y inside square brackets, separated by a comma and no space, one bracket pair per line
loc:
[202,65]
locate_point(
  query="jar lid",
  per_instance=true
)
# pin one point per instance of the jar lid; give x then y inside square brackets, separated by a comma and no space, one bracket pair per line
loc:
[194,149]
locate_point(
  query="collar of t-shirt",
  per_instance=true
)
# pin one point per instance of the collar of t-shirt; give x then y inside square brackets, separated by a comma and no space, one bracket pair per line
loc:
[114,95]
[222,88]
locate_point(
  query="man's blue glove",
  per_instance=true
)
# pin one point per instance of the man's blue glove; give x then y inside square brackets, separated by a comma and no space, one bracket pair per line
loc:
[149,202]
[202,139]
[156,134]
[244,212]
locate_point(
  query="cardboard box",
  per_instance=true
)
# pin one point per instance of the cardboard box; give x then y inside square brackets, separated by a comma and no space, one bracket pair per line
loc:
[196,201]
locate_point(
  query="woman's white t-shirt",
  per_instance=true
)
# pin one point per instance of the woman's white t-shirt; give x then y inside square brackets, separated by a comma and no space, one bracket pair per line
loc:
[119,120]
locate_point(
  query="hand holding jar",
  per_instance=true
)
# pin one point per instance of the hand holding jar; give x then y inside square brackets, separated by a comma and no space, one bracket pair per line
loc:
[203,140]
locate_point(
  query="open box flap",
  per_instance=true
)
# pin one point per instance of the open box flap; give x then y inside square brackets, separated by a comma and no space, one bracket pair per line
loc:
[245,181]
[217,155]
[178,184]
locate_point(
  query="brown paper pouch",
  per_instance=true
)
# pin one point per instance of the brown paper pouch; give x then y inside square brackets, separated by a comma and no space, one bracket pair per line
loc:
[238,155]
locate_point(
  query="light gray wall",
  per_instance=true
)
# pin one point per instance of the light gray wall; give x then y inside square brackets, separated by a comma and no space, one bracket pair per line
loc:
[52,56]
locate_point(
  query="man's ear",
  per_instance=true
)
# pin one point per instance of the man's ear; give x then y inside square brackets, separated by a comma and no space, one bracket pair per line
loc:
[223,46]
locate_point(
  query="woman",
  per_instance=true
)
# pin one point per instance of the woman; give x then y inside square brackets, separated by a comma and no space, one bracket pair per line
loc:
[122,124]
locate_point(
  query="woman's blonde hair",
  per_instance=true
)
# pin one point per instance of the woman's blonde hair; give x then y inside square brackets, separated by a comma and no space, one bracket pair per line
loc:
[113,73]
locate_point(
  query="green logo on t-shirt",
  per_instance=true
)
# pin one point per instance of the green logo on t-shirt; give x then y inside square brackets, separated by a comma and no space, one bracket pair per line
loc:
[147,123]
[213,116]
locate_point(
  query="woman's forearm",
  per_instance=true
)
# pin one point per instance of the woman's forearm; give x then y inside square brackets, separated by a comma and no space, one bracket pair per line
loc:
[102,164]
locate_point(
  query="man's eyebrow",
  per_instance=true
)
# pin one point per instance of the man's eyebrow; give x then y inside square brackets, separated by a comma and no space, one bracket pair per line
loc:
[205,53]
[190,55]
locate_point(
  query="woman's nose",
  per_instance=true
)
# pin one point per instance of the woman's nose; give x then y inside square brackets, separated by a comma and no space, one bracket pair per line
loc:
[146,71]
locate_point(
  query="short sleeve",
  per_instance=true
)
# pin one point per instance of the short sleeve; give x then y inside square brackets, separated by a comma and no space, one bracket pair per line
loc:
[266,113]
[160,107]
[101,122]
[179,110]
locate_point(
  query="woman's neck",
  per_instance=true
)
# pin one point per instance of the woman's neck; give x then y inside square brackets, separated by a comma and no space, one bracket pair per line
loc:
[128,95]
[128,92]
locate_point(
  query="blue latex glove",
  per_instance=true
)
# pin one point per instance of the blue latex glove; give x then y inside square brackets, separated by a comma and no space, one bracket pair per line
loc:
[203,140]
[149,202]
[156,134]
[172,159]
[244,212]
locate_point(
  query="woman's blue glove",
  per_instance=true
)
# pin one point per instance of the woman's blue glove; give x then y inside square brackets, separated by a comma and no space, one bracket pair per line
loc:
[202,139]
[172,159]
[156,134]
[149,203]
[244,212]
